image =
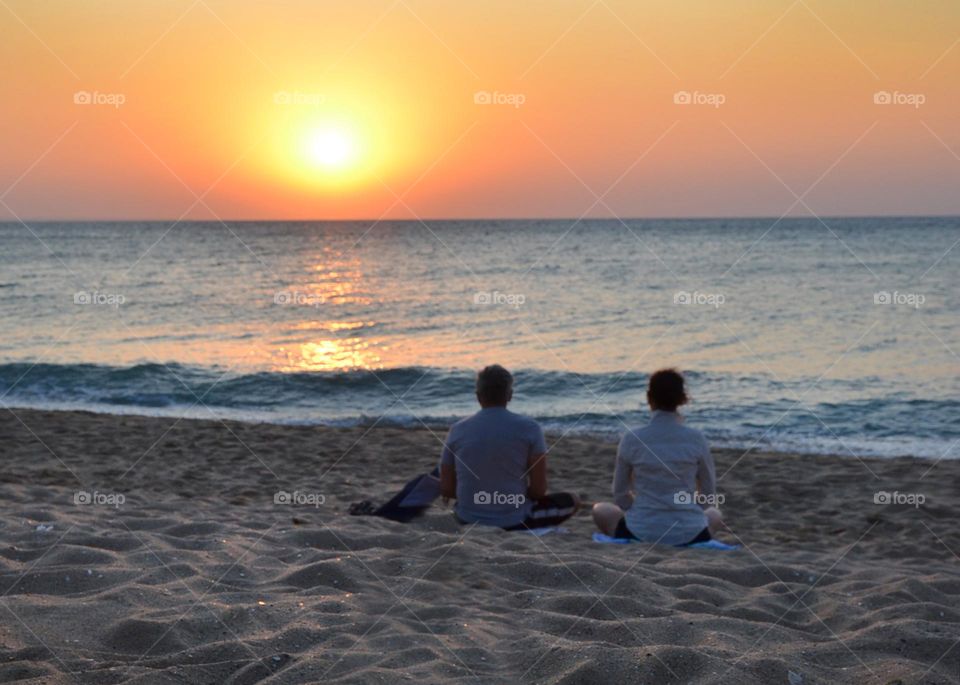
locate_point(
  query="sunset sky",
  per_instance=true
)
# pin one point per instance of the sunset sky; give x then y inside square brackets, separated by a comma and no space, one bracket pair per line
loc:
[297,109]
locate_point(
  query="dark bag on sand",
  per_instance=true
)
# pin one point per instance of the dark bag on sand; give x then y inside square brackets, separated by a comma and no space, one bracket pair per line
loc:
[415,497]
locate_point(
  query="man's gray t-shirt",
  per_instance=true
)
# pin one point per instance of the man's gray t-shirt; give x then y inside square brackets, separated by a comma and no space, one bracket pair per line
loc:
[491,452]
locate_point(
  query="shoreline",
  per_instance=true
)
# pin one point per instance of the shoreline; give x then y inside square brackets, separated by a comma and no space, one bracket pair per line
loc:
[198,576]
[441,428]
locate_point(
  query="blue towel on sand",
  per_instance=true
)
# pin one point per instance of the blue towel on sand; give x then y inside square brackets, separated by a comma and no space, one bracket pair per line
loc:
[710,544]
[540,532]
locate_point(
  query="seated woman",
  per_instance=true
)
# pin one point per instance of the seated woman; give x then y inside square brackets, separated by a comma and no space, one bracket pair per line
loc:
[664,484]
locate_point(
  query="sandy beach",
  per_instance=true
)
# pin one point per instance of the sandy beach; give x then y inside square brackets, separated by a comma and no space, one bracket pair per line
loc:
[180,568]
[258,260]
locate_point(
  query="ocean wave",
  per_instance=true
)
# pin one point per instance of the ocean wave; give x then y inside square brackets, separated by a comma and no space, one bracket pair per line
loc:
[599,404]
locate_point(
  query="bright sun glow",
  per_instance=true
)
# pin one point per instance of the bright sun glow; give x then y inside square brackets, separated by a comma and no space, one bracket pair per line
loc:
[333,149]
[330,151]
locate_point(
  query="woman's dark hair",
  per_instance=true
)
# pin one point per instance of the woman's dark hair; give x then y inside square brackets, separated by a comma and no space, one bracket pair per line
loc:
[666,390]
[494,386]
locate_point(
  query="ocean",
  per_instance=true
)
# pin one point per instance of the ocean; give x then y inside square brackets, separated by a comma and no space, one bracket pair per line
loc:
[837,336]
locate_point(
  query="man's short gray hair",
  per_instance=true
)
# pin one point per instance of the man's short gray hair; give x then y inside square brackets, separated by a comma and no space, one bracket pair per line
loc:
[494,385]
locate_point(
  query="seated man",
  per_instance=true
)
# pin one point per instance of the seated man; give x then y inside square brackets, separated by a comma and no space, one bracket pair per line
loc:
[494,464]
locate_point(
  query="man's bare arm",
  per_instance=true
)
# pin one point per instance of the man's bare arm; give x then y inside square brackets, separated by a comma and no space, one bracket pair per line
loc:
[537,465]
[448,482]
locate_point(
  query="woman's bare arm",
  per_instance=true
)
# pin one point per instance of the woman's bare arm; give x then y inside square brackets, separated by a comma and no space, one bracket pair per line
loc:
[623,484]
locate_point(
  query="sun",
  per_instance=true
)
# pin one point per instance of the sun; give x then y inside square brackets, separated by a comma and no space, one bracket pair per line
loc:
[325,152]
[331,148]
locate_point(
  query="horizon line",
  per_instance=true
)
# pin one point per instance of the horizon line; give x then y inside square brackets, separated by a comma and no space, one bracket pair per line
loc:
[732,217]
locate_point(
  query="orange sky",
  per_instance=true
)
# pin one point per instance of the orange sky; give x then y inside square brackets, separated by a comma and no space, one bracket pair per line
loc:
[383,120]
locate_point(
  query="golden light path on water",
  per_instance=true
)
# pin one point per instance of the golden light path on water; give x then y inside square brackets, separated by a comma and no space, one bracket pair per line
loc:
[335,355]
[335,282]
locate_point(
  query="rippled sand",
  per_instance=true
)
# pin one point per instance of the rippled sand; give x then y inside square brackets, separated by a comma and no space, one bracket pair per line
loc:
[198,577]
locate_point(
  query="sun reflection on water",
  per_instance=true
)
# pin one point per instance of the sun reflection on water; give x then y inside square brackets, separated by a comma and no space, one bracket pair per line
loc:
[332,355]
[333,326]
